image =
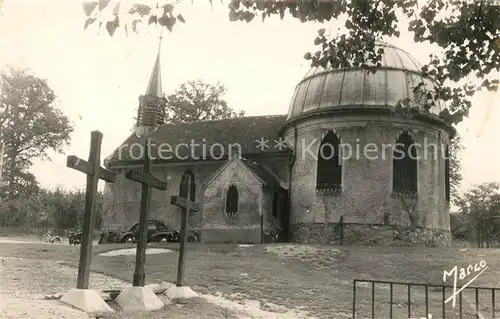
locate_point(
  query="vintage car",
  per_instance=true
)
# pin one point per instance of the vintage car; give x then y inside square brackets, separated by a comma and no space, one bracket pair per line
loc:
[176,237]
[75,237]
[157,232]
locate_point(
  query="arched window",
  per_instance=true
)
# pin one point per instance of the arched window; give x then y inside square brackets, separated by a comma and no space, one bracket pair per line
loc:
[232,200]
[329,172]
[404,177]
[447,173]
[184,186]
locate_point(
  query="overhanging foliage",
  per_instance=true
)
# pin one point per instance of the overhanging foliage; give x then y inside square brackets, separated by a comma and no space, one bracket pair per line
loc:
[467,31]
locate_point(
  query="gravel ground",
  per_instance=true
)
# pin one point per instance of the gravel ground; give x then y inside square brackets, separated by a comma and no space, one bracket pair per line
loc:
[36,278]
[25,283]
[19,308]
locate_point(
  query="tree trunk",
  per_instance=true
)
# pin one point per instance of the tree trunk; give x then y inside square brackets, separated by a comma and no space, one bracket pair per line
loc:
[487,237]
[478,236]
[11,171]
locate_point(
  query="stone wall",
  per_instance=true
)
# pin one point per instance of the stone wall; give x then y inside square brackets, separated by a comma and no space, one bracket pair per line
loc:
[123,197]
[122,204]
[370,234]
[250,198]
[366,196]
[233,235]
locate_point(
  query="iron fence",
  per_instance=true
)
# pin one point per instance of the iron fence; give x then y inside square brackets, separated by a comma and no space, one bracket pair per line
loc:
[434,296]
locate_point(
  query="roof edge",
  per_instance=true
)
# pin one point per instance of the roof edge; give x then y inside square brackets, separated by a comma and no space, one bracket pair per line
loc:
[225,165]
[360,110]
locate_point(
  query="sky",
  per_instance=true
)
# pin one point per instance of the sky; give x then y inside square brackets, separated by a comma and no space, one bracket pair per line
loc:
[99,78]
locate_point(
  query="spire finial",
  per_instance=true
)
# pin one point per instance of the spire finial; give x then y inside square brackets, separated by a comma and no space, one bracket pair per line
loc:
[161,37]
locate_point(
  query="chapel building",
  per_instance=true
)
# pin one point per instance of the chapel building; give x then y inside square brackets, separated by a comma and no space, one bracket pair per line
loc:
[321,172]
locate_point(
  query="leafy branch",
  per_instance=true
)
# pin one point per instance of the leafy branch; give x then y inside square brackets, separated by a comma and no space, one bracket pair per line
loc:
[138,13]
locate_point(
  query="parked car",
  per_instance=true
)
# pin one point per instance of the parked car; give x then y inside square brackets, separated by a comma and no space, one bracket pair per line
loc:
[176,237]
[157,232]
[75,237]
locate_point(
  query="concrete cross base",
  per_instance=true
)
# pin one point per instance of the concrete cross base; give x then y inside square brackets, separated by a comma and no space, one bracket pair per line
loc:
[183,292]
[86,300]
[138,299]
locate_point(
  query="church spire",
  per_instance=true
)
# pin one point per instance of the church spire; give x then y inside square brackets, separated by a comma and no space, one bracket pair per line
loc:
[154,86]
[151,112]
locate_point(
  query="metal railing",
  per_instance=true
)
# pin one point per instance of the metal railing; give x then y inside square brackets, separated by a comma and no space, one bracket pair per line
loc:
[443,291]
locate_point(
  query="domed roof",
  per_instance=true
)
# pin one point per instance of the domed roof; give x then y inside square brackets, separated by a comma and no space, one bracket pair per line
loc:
[323,89]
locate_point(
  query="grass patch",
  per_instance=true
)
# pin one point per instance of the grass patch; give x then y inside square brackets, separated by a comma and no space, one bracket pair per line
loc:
[193,308]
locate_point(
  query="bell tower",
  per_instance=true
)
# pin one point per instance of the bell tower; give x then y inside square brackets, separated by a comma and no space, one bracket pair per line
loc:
[151,112]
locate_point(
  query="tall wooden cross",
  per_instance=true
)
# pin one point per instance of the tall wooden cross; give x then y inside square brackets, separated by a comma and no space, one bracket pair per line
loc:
[92,168]
[341,226]
[186,206]
[148,181]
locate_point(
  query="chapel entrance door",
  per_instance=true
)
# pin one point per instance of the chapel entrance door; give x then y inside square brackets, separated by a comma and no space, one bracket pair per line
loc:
[281,212]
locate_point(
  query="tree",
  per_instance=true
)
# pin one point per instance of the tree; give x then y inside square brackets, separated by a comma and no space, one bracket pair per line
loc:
[30,125]
[66,208]
[456,147]
[467,32]
[197,101]
[480,210]
[460,227]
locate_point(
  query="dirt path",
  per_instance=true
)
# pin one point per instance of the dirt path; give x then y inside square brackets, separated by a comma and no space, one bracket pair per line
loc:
[26,282]
[33,240]
[20,308]
[36,278]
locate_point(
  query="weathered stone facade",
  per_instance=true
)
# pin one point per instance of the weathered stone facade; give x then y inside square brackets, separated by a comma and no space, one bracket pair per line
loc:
[210,223]
[362,109]
[123,205]
[246,226]
[367,196]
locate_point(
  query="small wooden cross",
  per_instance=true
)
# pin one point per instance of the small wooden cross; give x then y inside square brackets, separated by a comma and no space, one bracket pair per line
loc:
[148,181]
[92,168]
[186,206]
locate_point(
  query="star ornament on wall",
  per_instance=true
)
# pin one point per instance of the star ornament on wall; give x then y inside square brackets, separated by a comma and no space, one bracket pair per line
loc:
[262,144]
[280,144]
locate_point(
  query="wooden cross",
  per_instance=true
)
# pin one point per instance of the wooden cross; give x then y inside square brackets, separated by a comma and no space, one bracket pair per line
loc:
[186,206]
[92,168]
[148,181]
[341,225]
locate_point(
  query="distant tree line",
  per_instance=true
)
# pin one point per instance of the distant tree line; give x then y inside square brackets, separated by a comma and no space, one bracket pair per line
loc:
[56,209]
